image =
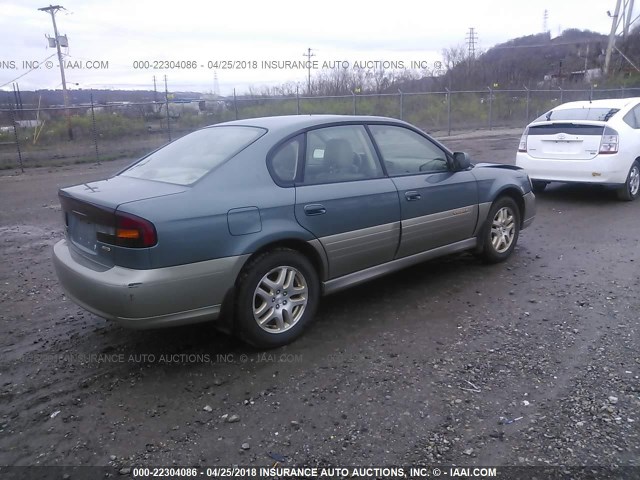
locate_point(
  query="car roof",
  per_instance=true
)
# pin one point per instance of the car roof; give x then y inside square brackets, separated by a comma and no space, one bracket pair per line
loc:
[618,103]
[286,123]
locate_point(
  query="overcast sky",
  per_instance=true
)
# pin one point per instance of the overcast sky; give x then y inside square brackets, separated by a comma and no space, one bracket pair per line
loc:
[122,32]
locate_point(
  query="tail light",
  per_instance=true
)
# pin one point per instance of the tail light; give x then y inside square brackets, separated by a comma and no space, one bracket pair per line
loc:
[522,147]
[130,231]
[609,142]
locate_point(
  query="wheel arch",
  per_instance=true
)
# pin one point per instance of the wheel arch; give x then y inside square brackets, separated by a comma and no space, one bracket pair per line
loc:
[244,323]
[511,192]
[516,195]
[314,253]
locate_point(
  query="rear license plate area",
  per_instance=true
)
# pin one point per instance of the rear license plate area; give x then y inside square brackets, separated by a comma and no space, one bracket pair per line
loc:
[82,232]
[562,147]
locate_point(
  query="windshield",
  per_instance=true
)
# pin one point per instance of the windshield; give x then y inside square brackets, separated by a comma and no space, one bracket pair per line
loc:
[189,158]
[596,114]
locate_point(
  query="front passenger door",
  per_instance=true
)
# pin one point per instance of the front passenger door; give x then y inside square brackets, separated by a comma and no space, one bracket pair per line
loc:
[437,205]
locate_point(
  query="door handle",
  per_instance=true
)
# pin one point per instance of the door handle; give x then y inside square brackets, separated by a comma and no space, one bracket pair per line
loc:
[314,209]
[412,195]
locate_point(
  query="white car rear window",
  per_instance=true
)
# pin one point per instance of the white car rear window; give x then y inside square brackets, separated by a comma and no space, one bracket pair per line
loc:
[595,114]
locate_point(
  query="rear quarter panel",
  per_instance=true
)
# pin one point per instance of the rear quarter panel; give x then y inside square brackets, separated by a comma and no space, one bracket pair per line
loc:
[193,226]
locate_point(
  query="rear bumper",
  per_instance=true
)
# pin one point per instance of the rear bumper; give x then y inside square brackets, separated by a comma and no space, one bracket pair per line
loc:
[147,298]
[602,169]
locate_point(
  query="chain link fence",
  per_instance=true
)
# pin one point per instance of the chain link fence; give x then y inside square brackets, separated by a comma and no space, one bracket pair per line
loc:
[100,132]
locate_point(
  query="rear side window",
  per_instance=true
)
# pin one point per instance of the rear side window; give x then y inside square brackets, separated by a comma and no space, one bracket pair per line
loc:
[596,114]
[340,154]
[283,164]
[191,157]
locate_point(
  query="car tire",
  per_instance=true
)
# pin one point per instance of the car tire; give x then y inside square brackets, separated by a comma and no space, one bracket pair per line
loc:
[501,231]
[278,294]
[631,188]
[538,186]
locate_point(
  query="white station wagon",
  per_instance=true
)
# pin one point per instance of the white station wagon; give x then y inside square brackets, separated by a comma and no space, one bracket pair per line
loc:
[585,142]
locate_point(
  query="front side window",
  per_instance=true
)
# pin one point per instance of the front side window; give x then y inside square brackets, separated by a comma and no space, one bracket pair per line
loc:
[340,154]
[191,157]
[404,152]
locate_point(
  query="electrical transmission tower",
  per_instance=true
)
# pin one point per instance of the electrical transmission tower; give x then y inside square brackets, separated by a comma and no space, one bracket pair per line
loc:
[216,85]
[472,39]
[545,21]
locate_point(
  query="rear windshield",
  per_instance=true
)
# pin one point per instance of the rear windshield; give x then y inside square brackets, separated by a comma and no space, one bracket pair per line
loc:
[189,158]
[597,114]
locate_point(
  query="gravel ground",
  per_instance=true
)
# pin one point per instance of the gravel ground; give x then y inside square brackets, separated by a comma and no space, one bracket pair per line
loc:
[531,362]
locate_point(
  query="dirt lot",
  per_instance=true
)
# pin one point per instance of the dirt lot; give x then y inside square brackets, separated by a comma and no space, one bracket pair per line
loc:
[530,362]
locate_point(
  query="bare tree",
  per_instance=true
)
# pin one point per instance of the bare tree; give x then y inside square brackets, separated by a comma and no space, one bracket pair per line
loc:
[453,56]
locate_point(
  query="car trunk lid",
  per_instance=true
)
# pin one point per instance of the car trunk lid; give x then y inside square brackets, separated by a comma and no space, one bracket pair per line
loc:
[119,190]
[92,216]
[565,140]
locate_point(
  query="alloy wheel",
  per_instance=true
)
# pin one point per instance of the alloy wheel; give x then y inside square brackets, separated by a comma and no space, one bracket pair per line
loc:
[280,299]
[503,229]
[634,180]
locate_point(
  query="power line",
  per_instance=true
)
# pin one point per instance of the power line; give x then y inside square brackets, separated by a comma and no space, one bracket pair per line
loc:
[28,71]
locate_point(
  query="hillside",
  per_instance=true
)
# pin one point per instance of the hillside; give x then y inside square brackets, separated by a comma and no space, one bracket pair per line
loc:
[533,61]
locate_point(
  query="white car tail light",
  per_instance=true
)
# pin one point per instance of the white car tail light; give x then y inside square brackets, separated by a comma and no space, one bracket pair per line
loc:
[609,141]
[522,147]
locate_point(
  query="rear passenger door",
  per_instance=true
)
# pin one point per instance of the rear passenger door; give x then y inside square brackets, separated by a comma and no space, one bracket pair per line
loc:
[438,206]
[345,200]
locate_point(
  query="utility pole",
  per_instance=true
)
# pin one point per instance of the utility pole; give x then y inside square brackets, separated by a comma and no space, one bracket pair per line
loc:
[166,102]
[586,60]
[621,16]
[615,21]
[628,10]
[155,90]
[308,55]
[53,9]
[16,96]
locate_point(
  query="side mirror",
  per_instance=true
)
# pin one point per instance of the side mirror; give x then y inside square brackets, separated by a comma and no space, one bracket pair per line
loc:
[461,161]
